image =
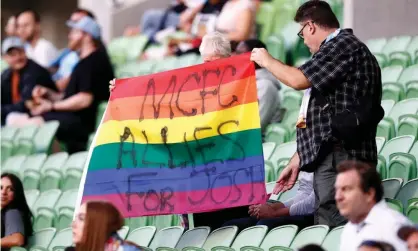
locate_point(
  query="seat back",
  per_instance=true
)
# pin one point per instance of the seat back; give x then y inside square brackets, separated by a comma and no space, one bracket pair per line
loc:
[31,196]
[396,145]
[391,187]
[27,133]
[42,238]
[14,164]
[8,132]
[279,236]
[167,237]
[195,237]
[283,151]
[221,237]
[284,196]
[63,238]
[268,148]
[408,191]
[252,236]
[409,74]
[34,162]
[387,105]
[47,199]
[55,161]
[332,240]
[399,43]
[44,136]
[123,232]
[68,199]
[407,106]
[142,236]
[376,45]
[380,142]
[76,160]
[390,74]
[310,235]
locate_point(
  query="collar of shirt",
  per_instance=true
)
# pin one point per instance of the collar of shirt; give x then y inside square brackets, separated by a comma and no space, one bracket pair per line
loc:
[374,215]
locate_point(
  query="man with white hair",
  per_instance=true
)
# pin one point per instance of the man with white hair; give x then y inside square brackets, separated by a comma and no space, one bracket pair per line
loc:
[215,46]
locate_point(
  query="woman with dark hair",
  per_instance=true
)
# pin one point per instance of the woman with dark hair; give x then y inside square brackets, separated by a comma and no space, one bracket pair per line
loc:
[375,246]
[16,223]
[95,228]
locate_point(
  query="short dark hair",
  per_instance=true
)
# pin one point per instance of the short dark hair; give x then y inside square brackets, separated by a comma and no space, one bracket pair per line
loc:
[369,177]
[35,15]
[319,12]
[382,246]
[311,247]
[85,11]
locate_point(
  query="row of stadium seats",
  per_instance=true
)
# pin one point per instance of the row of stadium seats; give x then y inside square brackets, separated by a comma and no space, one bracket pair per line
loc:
[400,50]
[255,238]
[400,83]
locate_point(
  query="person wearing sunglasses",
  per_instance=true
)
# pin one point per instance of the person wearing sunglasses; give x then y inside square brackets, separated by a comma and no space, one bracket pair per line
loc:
[340,108]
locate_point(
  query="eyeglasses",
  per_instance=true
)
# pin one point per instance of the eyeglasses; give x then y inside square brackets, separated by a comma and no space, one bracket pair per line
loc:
[300,33]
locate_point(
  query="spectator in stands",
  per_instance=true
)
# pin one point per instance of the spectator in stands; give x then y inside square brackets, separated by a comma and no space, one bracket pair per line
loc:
[410,235]
[16,217]
[95,228]
[341,106]
[154,20]
[63,65]
[215,46]
[297,210]
[375,246]
[76,107]
[359,196]
[19,79]
[29,29]
[267,87]
[11,27]
[237,20]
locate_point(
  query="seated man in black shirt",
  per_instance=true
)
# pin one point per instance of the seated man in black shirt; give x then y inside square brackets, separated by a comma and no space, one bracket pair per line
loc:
[76,107]
[18,81]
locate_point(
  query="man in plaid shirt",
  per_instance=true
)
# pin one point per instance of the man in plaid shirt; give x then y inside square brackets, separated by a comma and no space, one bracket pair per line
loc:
[341,73]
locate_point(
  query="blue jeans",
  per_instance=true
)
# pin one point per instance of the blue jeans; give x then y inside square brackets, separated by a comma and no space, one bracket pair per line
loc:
[155,20]
[300,221]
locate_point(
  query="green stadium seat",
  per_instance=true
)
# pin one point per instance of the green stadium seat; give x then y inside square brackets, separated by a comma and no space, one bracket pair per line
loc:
[279,236]
[195,237]
[64,210]
[123,232]
[412,212]
[310,235]
[252,236]
[381,166]
[51,172]
[395,44]
[136,222]
[31,196]
[14,165]
[292,99]
[163,221]
[391,89]
[332,240]
[192,249]
[44,136]
[7,136]
[268,149]
[73,170]
[387,105]
[278,248]
[18,249]
[187,60]
[167,237]
[265,19]
[405,58]
[32,167]
[6,150]
[43,208]
[408,191]
[401,109]
[169,63]
[223,236]
[401,144]
[403,165]
[281,132]
[395,204]
[391,187]
[23,142]
[386,127]
[136,47]
[270,187]
[380,142]
[42,238]
[61,240]
[409,80]
[8,132]
[275,46]
[282,153]
[376,45]
[100,111]
[142,236]
[269,171]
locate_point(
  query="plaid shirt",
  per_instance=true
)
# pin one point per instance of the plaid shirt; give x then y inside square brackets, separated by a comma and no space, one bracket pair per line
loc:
[341,71]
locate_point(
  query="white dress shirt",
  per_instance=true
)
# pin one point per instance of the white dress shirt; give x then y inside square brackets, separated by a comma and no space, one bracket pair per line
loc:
[42,53]
[381,224]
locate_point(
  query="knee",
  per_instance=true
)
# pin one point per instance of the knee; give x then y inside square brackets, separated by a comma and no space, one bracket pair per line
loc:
[16,119]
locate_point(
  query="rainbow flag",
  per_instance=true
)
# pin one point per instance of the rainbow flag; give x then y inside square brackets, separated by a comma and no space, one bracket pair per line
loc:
[181,141]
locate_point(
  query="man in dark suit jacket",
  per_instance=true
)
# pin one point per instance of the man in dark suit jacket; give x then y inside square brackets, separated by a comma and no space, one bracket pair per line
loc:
[18,81]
